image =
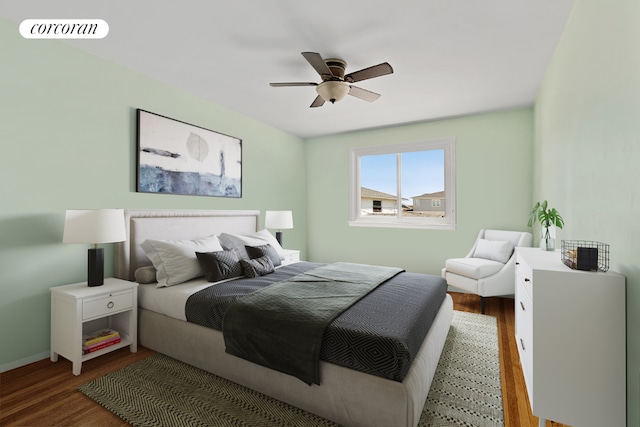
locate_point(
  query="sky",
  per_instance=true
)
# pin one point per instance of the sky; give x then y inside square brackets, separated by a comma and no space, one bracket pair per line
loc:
[422,172]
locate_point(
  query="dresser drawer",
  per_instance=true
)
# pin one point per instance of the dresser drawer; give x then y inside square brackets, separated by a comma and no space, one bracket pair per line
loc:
[106,304]
[524,334]
[523,317]
[524,274]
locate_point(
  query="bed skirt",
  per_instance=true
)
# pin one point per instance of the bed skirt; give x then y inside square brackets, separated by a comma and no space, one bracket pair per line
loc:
[348,397]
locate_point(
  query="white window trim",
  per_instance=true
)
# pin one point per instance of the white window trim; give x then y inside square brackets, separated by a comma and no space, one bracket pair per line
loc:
[446,223]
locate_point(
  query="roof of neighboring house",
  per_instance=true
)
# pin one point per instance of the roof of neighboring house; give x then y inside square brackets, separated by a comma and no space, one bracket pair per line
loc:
[374,194]
[438,194]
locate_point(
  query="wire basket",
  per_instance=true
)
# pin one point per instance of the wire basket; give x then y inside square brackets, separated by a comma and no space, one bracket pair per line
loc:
[585,255]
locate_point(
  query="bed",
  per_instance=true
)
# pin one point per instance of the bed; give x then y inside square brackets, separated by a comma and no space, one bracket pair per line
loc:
[346,396]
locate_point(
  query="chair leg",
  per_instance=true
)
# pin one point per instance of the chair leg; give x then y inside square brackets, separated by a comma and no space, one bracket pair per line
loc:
[482,303]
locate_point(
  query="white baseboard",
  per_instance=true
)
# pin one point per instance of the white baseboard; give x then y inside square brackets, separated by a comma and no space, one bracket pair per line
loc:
[25,361]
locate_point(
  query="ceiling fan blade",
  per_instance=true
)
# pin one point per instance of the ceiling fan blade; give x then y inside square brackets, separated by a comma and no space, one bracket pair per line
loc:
[318,64]
[367,95]
[286,84]
[318,102]
[369,73]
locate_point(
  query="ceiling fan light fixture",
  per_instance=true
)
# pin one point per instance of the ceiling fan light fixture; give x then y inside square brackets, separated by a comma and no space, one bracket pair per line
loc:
[332,90]
[335,83]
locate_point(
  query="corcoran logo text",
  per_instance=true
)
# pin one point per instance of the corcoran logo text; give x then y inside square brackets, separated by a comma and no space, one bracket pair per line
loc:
[64,29]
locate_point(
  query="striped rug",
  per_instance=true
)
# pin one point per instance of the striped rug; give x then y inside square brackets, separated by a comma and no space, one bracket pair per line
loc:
[160,391]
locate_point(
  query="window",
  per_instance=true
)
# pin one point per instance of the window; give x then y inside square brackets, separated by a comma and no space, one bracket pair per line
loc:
[409,185]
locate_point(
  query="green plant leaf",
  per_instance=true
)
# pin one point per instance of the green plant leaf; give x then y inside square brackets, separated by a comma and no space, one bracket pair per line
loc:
[546,217]
[533,214]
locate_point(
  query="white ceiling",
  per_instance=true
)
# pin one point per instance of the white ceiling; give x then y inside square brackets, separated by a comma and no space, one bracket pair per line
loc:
[450,57]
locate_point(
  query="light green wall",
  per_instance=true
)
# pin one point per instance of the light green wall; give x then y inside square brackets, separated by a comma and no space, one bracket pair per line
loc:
[587,147]
[493,186]
[68,141]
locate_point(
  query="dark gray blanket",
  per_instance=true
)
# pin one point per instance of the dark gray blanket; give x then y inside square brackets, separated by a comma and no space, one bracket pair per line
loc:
[379,335]
[282,326]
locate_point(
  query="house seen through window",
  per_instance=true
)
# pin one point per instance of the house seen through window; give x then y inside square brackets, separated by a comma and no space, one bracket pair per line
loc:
[403,185]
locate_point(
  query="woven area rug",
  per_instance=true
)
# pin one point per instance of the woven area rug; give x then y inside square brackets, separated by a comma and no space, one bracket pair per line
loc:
[466,389]
[160,391]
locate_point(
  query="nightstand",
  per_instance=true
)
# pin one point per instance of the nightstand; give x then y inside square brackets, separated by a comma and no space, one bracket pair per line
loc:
[78,309]
[290,256]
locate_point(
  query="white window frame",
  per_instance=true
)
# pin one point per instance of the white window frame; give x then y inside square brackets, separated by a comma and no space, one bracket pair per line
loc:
[356,219]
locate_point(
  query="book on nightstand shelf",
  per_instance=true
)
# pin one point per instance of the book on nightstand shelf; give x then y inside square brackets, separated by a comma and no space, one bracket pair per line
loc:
[99,339]
[101,345]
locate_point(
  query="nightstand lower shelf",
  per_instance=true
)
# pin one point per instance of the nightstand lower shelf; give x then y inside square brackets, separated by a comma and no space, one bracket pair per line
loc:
[125,342]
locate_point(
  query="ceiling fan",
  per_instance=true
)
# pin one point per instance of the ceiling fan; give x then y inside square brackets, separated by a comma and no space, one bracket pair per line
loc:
[335,84]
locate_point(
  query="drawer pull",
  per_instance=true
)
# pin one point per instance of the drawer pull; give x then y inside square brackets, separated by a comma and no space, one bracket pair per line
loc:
[526,279]
[522,305]
[517,263]
[110,305]
[522,344]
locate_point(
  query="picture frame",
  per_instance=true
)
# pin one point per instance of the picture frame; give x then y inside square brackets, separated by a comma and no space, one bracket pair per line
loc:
[174,157]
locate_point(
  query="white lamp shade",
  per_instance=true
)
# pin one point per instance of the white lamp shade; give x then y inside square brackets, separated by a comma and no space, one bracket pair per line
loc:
[94,226]
[278,219]
[332,91]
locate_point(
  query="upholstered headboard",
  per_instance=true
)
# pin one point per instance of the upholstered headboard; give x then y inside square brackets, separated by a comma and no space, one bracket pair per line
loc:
[160,224]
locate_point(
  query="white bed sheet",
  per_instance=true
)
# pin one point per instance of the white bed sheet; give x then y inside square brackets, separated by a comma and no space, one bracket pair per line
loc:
[170,301]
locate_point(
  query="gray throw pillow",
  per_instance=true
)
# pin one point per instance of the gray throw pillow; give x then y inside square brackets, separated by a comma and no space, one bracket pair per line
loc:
[219,265]
[257,266]
[262,250]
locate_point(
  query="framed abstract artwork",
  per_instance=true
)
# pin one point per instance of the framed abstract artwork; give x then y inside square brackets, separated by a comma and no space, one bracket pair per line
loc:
[178,158]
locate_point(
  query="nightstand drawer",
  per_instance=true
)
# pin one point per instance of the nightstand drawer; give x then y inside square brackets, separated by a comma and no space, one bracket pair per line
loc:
[290,256]
[107,304]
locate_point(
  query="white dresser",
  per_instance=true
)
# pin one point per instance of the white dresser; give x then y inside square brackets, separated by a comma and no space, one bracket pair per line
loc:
[570,332]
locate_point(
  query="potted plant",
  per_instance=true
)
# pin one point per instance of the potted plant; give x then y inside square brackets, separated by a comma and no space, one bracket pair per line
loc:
[547,217]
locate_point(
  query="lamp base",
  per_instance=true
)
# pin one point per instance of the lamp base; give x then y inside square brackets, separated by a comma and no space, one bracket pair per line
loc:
[95,274]
[279,237]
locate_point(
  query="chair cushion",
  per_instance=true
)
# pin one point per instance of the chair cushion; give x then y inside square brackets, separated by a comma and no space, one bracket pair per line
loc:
[474,268]
[496,250]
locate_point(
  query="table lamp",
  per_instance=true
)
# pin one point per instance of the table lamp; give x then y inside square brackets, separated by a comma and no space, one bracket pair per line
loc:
[279,220]
[94,226]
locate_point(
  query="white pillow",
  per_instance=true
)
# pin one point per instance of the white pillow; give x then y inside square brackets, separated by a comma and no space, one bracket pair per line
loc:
[238,242]
[496,250]
[175,261]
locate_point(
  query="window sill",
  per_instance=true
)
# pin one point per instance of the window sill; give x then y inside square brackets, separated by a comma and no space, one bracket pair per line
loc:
[402,224]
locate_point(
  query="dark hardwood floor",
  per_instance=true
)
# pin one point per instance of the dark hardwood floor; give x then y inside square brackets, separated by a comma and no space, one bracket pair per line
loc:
[45,393]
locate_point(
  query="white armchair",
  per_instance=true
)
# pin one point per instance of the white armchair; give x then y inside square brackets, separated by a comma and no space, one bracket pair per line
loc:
[489,267]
